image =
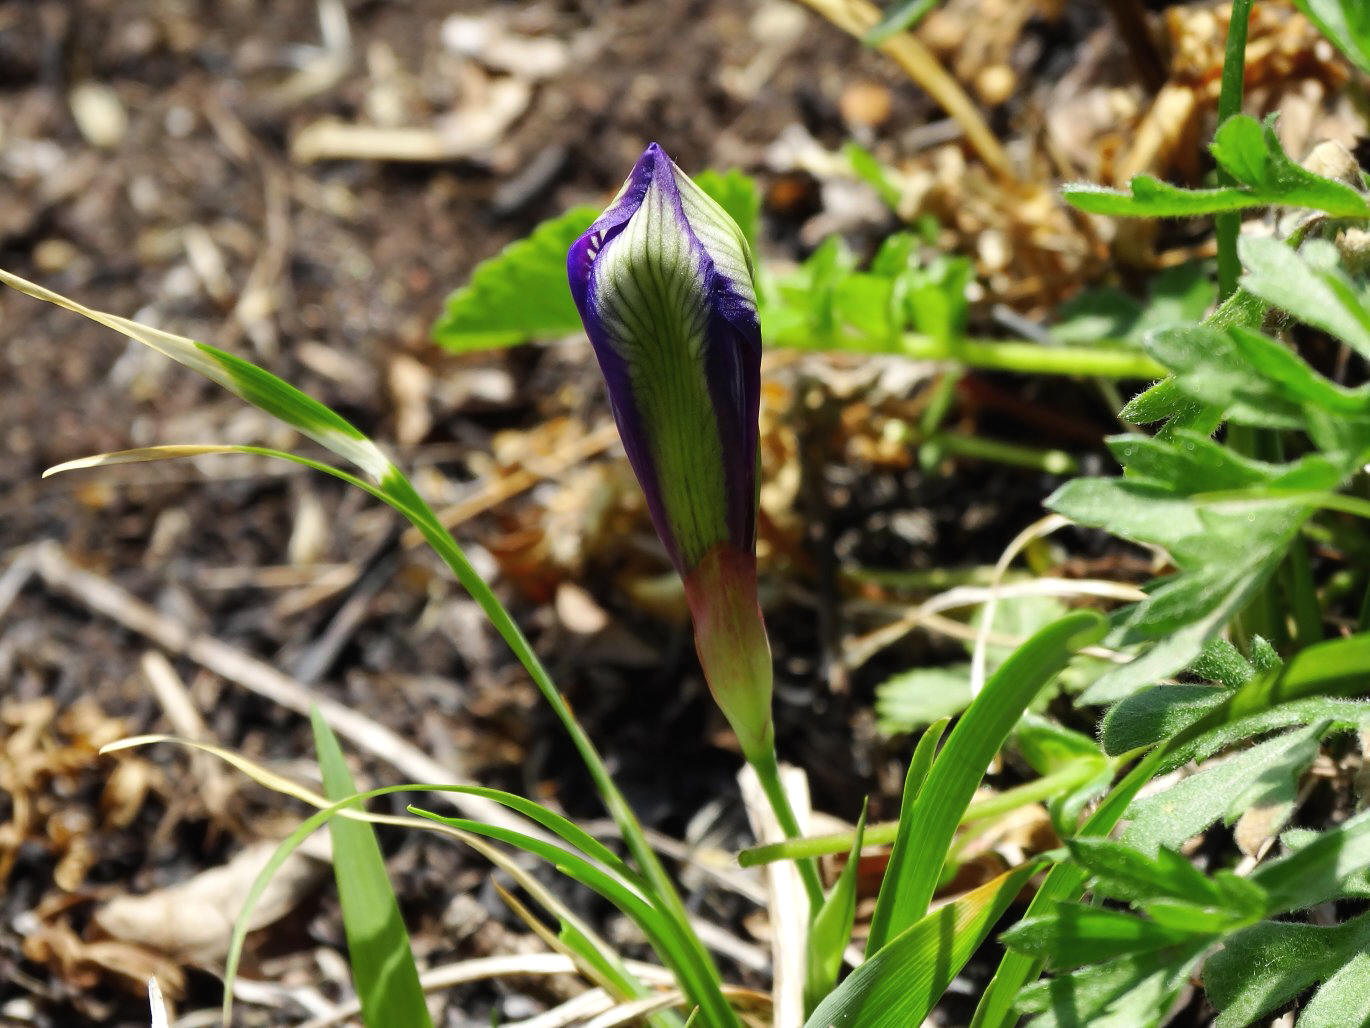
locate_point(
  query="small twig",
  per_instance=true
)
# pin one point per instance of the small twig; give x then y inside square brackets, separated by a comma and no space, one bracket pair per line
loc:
[858,17]
[492,493]
[14,579]
[512,965]
[262,679]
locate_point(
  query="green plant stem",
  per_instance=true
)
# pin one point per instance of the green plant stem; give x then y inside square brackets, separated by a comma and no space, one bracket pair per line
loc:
[1057,782]
[1302,594]
[768,772]
[1107,359]
[713,1004]
[961,444]
[1228,224]
[943,395]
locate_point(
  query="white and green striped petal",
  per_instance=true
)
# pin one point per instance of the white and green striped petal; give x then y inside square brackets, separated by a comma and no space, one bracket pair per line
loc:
[663,281]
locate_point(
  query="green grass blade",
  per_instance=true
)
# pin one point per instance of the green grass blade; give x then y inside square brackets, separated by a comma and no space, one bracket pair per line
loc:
[283,400]
[259,388]
[832,925]
[897,869]
[901,16]
[958,769]
[668,937]
[901,984]
[599,954]
[382,963]
[1064,881]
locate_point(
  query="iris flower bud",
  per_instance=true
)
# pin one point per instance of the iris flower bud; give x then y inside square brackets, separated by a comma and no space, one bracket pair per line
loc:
[663,280]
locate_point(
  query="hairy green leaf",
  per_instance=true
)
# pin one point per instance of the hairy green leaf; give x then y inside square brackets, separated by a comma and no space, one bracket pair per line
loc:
[1071,935]
[1134,991]
[1343,999]
[1319,870]
[1263,967]
[1154,714]
[1126,873]
[1308,284]
[1248,151]
[1262,774]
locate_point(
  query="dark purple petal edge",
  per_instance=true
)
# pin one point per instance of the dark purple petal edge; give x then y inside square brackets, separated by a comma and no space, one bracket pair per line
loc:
[732,361]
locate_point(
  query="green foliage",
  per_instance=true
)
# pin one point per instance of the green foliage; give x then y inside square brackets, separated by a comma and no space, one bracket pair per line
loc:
[1347,24]
[1179,914]
[911,699]
[901,983]
[831,929]
[928,824]
[1263,174]
[1230,515]
[1177,295]
[1263,776]
[900,16]
[910,300]
[1292,958]
[919,696]
[378,950]
[1132,964]
[520,294]
[1226,519]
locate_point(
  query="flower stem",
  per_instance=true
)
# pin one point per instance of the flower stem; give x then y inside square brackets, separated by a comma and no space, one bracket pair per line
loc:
[1039,790]
[1227,225]
[768,772]
[1104,359]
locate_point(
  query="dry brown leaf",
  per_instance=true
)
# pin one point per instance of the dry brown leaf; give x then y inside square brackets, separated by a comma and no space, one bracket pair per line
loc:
[43,753]
[193,921]
[1258,825]
[83,964]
